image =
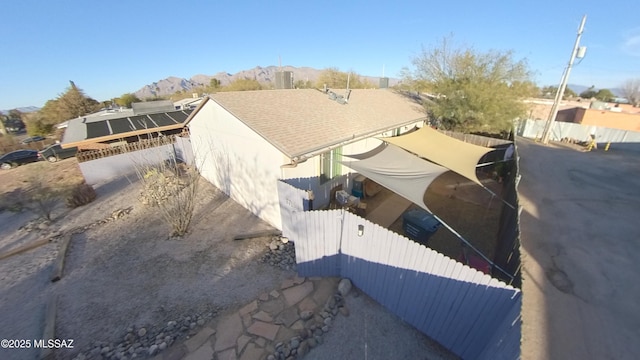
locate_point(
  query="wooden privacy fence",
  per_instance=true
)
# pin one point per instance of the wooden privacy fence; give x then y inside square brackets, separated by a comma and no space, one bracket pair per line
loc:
[470,313]
[476,139]
[125,148]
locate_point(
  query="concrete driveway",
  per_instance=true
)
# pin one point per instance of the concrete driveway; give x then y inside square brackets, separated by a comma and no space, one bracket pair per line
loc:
[580,243]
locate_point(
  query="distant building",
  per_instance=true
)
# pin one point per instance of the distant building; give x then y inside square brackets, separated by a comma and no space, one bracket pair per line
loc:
[619,116]
[188,103]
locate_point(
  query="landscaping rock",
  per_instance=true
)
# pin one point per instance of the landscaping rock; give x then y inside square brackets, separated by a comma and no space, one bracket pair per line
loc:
[280,255]
[344,287]
[306,315]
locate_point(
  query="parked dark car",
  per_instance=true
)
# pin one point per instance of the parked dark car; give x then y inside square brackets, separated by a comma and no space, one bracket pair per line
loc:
[55,152]
[18,157]
[32,139]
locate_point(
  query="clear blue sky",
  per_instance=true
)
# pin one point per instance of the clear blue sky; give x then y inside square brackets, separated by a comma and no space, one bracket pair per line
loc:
[109,48]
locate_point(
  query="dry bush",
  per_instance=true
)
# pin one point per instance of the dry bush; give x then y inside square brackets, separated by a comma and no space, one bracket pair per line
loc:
[172,187]
[42,198]
[79,195]
[13,200]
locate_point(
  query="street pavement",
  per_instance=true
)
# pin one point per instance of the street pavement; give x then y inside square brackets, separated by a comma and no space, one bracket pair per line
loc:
[580,244]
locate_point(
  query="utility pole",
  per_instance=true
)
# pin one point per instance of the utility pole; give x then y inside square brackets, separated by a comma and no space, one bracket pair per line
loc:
[577,52]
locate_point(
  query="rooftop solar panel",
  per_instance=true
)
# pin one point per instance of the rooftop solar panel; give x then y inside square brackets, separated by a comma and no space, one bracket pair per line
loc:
[180,116]
[97,129]
[142,122]
[119,126]
[162,119]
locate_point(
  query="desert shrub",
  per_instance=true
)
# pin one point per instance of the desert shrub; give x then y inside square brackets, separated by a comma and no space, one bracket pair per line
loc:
[172,187]
[79,195]
[13,201]
[42,198]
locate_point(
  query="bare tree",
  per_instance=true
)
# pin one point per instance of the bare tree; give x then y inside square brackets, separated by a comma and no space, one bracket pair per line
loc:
[631,91]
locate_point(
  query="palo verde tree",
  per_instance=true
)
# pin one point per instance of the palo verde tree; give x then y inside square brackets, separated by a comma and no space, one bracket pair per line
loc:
[126,100]
[602,94]
[472,90]
[336,79]
[605,95]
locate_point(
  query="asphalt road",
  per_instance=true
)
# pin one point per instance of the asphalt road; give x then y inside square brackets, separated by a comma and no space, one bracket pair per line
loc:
[580,243]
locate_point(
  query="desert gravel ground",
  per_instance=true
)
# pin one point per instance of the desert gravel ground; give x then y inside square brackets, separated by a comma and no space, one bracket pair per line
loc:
[126,273]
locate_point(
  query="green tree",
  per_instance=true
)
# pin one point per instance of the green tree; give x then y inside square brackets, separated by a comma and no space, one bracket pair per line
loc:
[71,104]
[37,124]
[549,92]
[68,105]
[589,93]
[74,103]
[127,99]
[472,90]
[605,95]
[214,84]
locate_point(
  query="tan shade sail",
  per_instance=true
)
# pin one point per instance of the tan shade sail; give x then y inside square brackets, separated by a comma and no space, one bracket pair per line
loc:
[456,155]
[405,174]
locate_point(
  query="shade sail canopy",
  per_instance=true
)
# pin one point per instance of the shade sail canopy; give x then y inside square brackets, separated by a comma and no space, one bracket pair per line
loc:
[401,172]
[456,155]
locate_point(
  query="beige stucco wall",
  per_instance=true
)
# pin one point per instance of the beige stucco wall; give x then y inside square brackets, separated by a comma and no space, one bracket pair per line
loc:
[237,161]
[246,167]
[610,119]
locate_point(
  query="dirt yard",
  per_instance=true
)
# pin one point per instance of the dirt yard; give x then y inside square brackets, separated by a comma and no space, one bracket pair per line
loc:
[123,274]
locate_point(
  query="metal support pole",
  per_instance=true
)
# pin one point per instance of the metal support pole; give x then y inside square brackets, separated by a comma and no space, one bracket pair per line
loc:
[563,85]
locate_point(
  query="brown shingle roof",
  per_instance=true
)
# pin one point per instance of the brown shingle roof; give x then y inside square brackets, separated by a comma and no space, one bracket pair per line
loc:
[301,121]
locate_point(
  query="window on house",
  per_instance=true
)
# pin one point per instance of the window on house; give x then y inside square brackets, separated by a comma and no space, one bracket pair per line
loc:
[330,166]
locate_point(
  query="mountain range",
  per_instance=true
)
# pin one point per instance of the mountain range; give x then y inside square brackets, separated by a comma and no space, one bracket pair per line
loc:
[264,75]
[26,109]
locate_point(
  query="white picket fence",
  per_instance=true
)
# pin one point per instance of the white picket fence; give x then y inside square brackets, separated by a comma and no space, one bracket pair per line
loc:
[470,313]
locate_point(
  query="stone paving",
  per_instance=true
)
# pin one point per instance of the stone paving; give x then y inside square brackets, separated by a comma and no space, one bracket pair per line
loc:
[283,324]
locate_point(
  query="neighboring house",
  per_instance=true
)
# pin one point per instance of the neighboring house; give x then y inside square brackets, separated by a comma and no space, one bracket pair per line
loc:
[616,117]
[244,142]
[188,104]
[115,127]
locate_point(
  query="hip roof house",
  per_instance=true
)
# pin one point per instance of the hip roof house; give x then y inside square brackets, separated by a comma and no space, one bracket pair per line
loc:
[245,142]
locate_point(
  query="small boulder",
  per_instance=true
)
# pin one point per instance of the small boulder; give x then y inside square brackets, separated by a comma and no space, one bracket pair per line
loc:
[344,287]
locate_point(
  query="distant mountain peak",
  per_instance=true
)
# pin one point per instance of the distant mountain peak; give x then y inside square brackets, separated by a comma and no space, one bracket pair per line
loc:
[26,109]
[264,75]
